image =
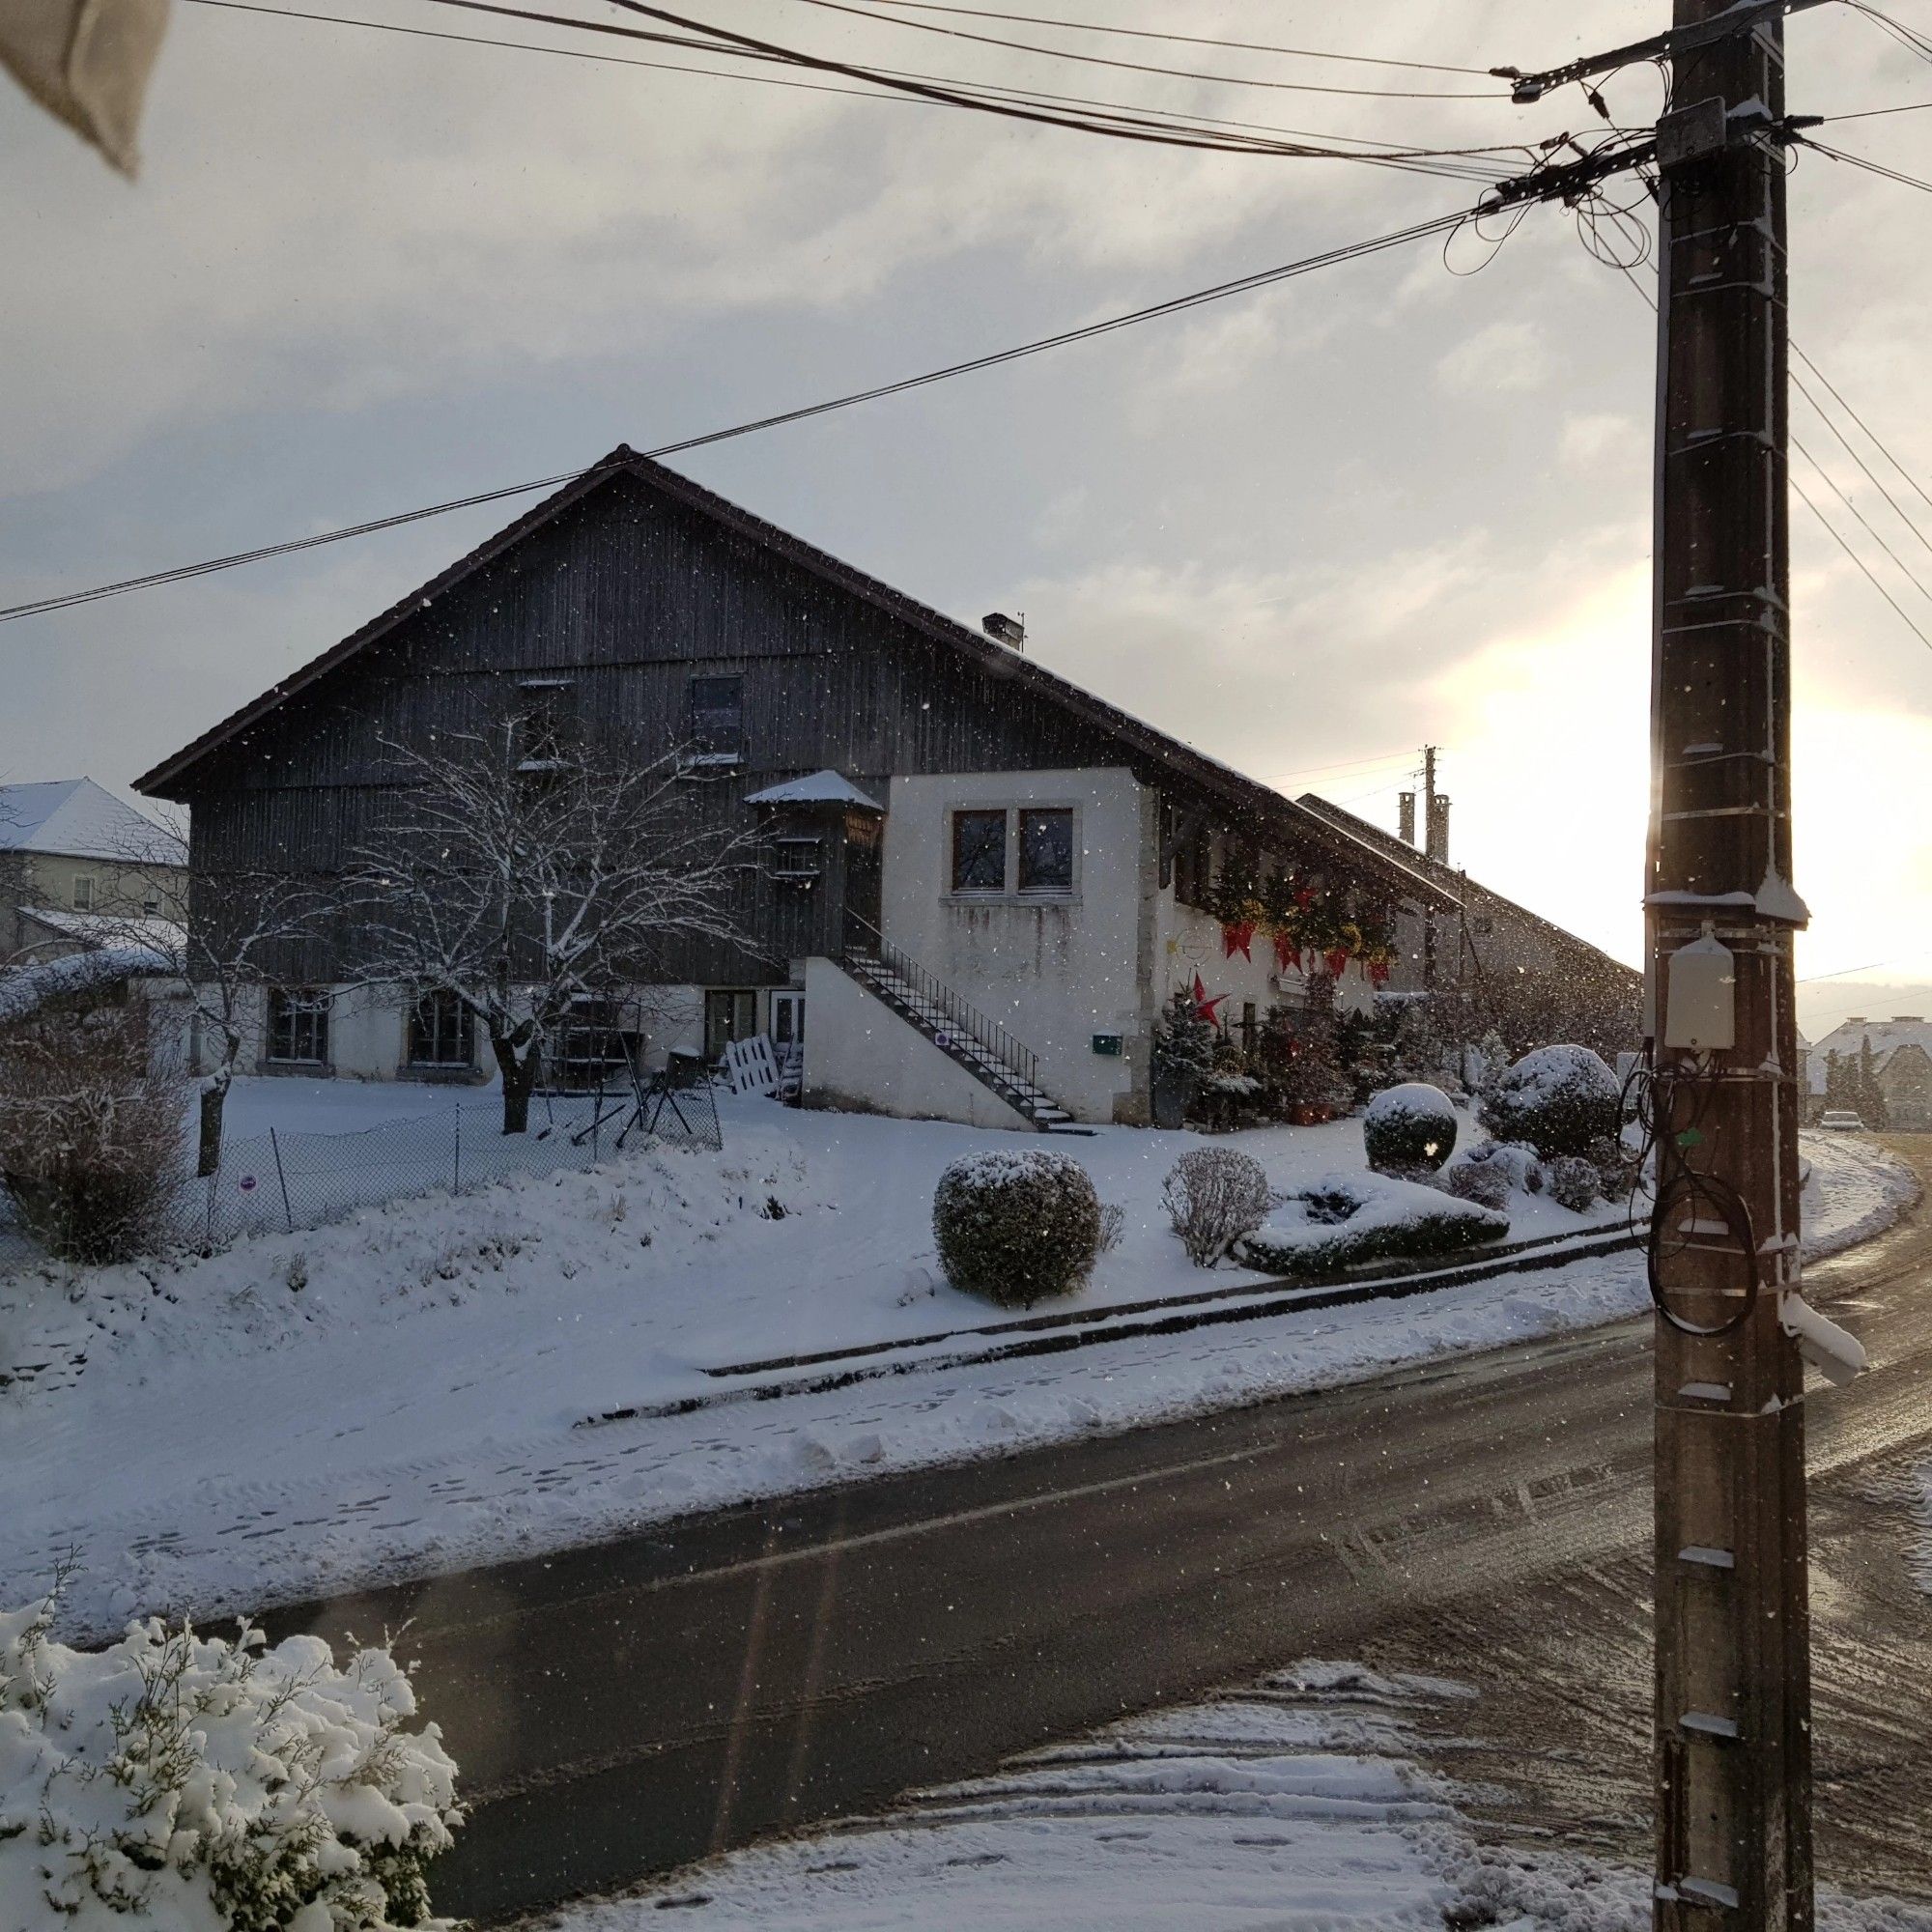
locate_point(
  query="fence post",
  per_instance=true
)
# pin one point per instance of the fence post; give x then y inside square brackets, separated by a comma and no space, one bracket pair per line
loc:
[456,1179]
[282,1181]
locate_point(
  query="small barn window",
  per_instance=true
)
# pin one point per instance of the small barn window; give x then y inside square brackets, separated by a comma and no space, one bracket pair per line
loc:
[798,856]
[543,724]
[441,1031]
[1046,850]
[978,851]
[298,1026]
[716,719]
[83,892]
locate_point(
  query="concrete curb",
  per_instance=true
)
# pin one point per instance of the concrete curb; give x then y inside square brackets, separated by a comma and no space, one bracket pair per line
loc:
[1054,1334]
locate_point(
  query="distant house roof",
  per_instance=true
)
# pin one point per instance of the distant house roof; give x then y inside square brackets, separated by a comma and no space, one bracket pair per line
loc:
[74,818]
[819,789]
[1435,867]
[99,929]
[1031,679]
[24,989]
[1887,1036]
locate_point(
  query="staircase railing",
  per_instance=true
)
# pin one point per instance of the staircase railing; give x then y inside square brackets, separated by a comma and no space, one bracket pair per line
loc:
[873,947]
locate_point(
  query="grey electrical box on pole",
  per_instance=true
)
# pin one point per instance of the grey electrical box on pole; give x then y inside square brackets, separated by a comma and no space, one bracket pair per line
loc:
[1733,1673]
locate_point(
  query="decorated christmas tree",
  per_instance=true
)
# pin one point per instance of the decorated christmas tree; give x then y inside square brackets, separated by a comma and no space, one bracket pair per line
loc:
[1313,1076]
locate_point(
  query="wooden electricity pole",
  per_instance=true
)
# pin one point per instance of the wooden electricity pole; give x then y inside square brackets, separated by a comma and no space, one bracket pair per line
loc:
[1733,1755]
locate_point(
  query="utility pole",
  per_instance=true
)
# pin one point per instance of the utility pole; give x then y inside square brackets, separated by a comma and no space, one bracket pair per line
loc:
[1733,1752]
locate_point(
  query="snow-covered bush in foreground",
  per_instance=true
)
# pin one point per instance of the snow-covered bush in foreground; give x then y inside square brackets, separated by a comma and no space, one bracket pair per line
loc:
[1016,1226]
[1558,1098]
[1574,1183]
[194,1784]
[1409,1129]
[1215,1195]
[1349,1219]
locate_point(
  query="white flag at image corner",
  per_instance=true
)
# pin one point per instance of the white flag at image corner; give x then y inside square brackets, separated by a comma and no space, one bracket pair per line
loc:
[87,63]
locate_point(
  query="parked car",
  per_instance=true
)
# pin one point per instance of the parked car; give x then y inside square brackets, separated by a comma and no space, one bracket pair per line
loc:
[1841,1120]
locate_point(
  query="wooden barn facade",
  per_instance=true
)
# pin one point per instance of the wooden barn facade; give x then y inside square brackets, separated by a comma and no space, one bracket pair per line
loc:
[977,883]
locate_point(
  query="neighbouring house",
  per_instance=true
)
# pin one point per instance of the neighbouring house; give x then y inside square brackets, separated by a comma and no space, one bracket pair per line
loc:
[1513,965]
[80,869]
[1901,1057]
[978,883]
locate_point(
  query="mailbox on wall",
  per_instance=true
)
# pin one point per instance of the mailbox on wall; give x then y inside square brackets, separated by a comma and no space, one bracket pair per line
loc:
[1108,1044]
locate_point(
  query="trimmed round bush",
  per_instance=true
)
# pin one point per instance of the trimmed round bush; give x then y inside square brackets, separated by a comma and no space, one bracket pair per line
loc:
[1615,1165]
[1558,1098]
[1017,1228]
[1486,1183]
[1409,1129]
[1574,1183]
[1215,1195]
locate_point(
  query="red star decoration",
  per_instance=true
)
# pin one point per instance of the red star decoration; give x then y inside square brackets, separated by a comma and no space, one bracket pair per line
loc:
[1204,1007]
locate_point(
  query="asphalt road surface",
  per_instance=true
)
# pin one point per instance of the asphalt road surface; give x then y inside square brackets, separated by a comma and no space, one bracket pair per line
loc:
[622,1710]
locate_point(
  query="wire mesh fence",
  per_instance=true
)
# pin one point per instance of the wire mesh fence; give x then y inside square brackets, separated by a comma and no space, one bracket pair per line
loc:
[282,1181]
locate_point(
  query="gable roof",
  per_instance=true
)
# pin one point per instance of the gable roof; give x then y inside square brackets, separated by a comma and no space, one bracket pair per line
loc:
[1437,867]
[826,787]
[1887,1037]
[1030,677]
[76,818]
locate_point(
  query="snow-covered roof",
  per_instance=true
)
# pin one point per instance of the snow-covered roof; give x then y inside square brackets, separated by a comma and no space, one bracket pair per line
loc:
[1887,1036]
[74,818]
[820,788]
[99,927]
[24,988]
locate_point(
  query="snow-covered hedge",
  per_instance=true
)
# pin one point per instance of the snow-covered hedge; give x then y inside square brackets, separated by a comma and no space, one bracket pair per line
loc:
[1558,1098]
[1348,1219]
[1215,1195]
[1016,1226]
[193,1784]
[1574,1183]
[1409,1129]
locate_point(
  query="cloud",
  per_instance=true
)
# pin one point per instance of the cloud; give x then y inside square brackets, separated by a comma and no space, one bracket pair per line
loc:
[1505,359]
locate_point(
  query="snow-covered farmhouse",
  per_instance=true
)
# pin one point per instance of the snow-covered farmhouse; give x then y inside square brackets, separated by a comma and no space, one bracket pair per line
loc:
[80,869]
[1899,1050]
[977,884]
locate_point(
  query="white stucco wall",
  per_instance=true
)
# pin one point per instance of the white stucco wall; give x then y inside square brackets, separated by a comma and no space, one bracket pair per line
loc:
[1054,971]
[860,1055]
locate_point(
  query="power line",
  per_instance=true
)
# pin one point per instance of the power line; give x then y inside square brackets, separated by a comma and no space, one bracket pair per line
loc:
[1862,423]
[1141,67]
[1189,40]
[1837,536]
[1832,483]
[1343,765]
[1472,171]
[1173,306]
[1870,166]
[1899,509]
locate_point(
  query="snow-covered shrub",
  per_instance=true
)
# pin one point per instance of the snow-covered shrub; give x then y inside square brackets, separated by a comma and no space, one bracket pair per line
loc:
[1574,1183]
[1387,1220]
[1615,1165]
[1113,1225]
[1214,1196]
[194,1784]
[1558,1098]
[1016,1226]
[1486,1183]
[1409,1129]
[90,1129]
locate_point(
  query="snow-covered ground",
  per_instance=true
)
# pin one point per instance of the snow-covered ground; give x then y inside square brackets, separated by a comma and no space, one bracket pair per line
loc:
[1295,1805]
[406,1392]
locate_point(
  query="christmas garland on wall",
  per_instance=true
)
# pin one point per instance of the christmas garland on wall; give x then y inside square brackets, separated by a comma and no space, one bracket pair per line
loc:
[1309,928]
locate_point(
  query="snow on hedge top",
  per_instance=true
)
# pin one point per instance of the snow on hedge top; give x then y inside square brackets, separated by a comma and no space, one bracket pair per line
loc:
[1558,1073]
[1363,1203]
[1002,1167]
[1412,1100]
[27,988]
[194,1783]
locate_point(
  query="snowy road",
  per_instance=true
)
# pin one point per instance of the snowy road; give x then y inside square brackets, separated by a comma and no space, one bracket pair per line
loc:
[625,1709]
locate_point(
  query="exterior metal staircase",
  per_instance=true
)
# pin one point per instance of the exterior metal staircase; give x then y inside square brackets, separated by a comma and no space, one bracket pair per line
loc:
[982,1046]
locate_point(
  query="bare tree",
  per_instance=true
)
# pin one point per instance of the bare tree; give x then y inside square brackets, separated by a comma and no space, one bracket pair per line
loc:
[519,883]
[224,935]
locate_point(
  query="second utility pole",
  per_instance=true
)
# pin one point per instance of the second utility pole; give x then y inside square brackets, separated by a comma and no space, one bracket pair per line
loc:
[1733,1679]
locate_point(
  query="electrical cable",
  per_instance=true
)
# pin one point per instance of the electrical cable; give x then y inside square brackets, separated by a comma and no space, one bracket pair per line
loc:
[1191,40]
[1798,383]
[1871,433]
[1832,483]
[1173,306]
[862,12]
[1870,166]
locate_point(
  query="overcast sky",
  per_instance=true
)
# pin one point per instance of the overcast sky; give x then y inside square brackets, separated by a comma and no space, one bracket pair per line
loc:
[1307,530]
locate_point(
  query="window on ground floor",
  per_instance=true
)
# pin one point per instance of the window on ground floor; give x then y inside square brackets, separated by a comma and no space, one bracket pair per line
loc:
[441,1031]
[298,1026]
[729,1014]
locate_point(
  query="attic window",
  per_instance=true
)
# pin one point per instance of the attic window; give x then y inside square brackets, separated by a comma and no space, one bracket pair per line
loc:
[543,723]
[715,720]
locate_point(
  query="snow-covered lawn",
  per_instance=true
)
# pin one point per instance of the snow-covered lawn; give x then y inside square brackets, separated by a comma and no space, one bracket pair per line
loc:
[405,1392]
[1295,1805]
